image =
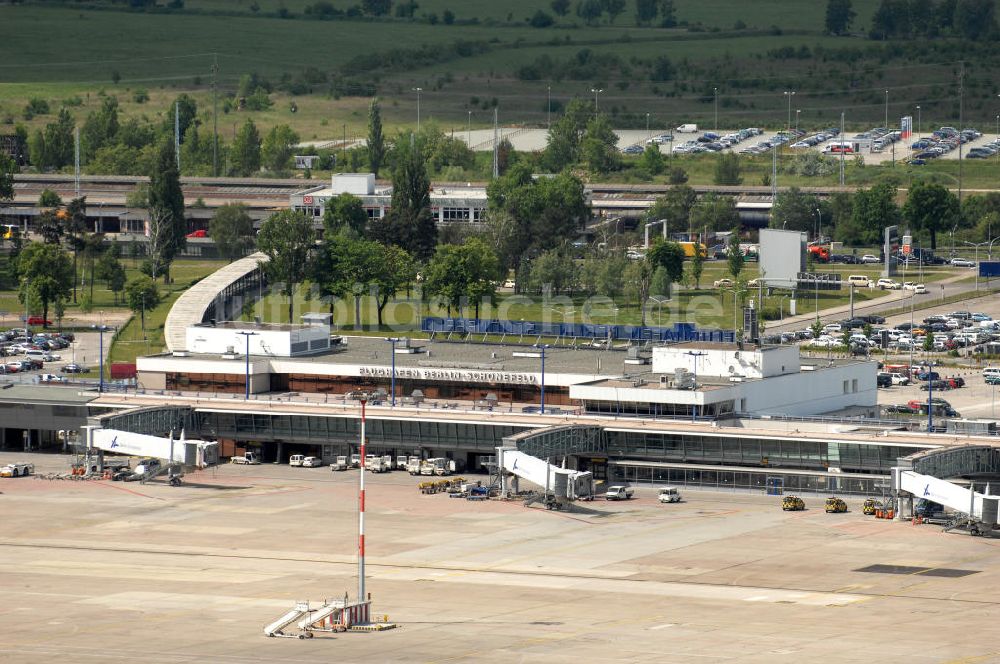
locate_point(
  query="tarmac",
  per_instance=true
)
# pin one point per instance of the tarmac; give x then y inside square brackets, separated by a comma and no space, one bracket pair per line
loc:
[114,572]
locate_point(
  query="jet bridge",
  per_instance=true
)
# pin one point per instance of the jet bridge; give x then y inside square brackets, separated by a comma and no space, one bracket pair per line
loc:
[563,483]
[982,508]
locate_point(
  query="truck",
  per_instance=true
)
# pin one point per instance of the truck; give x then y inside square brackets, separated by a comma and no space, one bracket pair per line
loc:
[691,247]
[669,494]
[619,493]
[413,465]
[355,461]
[247,458]
[687,128]
[17,469]
[401,462]
[819,253]
[378,464]
[339,464]
[427,467]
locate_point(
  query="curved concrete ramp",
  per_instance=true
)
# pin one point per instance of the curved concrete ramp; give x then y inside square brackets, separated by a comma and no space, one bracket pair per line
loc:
[193,306]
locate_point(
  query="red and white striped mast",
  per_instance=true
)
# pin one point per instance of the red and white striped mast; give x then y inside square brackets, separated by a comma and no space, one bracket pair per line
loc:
[361,509]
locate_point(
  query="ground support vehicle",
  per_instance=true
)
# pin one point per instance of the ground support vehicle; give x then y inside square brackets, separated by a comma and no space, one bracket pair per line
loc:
[835,505]
[869,506]
[339,464]
[669,494]
[17,469]
[619,493]
[312,462]
[295,460]
[792,504]
[248,458]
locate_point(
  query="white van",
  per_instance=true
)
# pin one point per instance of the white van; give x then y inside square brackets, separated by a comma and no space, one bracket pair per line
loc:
[296,459]
[670,494]
[688,128]
[859,280]
[35,353]
[991,371]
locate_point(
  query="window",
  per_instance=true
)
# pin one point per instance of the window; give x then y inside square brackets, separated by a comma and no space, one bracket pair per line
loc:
[854,385]
[477,214]
[847,384]
[452,214]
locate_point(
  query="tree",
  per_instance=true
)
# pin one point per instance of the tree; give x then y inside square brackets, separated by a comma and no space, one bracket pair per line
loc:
[675,207]
[110,270]
[839,15]
[463,272]
[715,212]
[697,267]
[409,223]
[392,271]
[46,276]
[599,147]
[99,129]
[540,20]
[141,295]
[8,168]
[287,238]
[560,7]
[668,14]
[873,210]
[638,279]
[75,228]
[566,135]
[668,255]
[652,160]
[727,169]
[376,141]
[795,211]
[166,210]
[49,199]
[660,284]
[932,208]
[245,151]
[231,228]
[975,19]
[589,10]
[614,8]
[645,11]
[278,148]
[606,276]
[345,211]
[554,269]
[58,142]
[734,255]
[376,7]
[186,110]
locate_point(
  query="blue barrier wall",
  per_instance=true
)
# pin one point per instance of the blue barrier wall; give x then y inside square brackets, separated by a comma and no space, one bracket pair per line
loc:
[678,332]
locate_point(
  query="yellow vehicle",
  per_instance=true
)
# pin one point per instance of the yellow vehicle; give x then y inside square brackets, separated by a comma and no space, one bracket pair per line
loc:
[792,504]
[835,505]
[870,505]
[691,247]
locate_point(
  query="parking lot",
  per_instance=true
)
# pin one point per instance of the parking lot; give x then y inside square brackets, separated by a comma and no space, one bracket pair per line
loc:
[104,571]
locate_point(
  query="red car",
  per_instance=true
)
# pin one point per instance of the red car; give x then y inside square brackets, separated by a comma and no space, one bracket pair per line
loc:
[38,320]
[197,233]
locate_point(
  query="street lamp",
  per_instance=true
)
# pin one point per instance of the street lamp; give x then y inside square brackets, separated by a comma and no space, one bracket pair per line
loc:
[418,91]
[918,122]
[469,130]
[647,126]
[819,226]
[797,112]
[100,367]
[596,92]
[548,113]
[541,348]
[392,349]
[789,94]
[247,334]
[695,355]
[716,91]
[887,109]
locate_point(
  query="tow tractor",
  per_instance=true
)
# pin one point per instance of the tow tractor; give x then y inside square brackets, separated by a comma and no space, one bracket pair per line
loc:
[17,469]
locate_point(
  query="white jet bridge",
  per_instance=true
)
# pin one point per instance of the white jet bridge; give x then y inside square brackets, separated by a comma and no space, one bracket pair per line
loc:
[562,483]
[981,508]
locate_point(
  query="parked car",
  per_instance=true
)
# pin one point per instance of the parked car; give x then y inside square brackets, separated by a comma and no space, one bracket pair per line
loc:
[835,505]
[73,368]
[197,233]
[792,504]
[870,258]
[724,283]
[962,262]
[38,320]
[619,493]
[920,289]
[883,380]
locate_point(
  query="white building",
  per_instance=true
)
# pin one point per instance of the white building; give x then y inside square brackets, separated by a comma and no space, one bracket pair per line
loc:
[265,339]
[709,380]
[449,203]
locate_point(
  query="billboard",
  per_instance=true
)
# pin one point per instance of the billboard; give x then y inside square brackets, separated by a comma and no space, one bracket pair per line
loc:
[890,251]
[989,269]
[906,125]
[782,257]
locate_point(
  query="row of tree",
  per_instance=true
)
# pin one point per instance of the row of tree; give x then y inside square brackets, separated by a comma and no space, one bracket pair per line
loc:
[908,19]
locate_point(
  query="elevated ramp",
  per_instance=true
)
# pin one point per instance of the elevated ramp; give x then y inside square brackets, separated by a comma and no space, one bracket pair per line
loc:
[561,482]
[980,507]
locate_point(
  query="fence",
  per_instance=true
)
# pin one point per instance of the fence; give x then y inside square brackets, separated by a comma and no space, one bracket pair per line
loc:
[678,332]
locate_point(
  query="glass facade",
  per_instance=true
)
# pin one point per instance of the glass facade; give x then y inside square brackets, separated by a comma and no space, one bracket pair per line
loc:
[750,479]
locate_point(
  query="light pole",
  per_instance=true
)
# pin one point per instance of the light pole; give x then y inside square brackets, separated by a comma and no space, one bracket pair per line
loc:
[100,367]
[930,396]
[887,110]
[695,355]
[647,126]
[363,398]
[918,123]
[469,130]
[819,226]
[596,92]
[716,91]
[392,349]
[797,112]
[418,91]
[789,94]
[977,245]
[548,112]
[541,348]
[247,334]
